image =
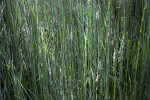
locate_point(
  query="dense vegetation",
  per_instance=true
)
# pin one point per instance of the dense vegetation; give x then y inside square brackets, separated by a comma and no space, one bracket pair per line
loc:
[75,49]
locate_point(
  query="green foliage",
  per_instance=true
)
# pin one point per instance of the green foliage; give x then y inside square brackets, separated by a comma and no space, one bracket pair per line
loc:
[74,49]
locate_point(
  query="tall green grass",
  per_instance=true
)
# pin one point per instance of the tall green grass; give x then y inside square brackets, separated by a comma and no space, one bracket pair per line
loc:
[74,49]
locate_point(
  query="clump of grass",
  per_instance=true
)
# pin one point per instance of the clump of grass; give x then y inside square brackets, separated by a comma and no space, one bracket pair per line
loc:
[74,49]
